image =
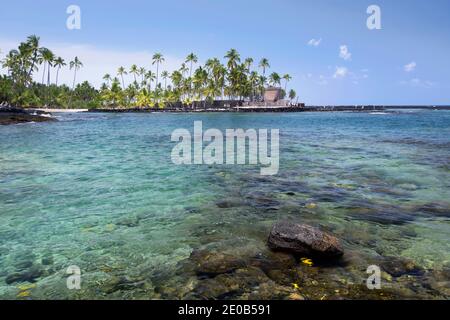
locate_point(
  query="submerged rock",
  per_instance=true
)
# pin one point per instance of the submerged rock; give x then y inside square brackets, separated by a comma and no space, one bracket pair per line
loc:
[398,267]
[304,240]
[435,209]
[230,203]
[214,263]
[381,214]
[29,275]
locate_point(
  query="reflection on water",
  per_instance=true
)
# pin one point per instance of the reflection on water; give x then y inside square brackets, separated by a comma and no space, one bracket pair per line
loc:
[99,191]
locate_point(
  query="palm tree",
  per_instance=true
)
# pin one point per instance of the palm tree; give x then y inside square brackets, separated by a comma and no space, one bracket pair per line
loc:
[191,58]
[275,79]
[286,78]
[183,69]
[47,57]
[59,63]
[150,76]
[76,64]
[165,75]
[134,71]
[158,59]
[248,63]
[142,72]
[107,78]
[254,80]
[292,94]
[121,72]
[233,59]
[33,43]
[264,64]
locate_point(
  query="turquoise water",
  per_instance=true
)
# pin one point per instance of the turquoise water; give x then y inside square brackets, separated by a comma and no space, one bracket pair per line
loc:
[99,191]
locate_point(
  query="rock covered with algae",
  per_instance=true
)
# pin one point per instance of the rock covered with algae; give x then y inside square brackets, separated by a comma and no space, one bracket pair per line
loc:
[305,240]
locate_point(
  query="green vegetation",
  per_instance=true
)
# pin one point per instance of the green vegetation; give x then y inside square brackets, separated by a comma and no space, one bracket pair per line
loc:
[235,79]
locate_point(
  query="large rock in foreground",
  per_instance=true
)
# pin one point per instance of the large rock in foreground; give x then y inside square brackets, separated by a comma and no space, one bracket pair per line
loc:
[300,239]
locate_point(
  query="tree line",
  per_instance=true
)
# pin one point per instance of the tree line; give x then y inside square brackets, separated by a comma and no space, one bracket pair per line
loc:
[235,79]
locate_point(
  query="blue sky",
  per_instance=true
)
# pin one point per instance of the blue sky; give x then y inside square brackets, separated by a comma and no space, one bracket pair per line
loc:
[404,63]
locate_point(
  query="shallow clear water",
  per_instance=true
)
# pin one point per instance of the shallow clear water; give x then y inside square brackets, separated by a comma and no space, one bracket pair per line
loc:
[100,191]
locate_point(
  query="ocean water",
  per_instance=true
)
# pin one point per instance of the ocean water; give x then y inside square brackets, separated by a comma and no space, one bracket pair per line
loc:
[99,191]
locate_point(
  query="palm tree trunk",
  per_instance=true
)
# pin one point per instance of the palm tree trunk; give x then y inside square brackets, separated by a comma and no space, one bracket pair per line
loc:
[190,79]
[157,74]
[57,75]
[73,86]
[32,66]
[43,73]
[48,75]
[74,78]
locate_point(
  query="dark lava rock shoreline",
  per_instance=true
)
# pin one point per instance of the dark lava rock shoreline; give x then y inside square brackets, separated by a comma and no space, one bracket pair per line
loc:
[11,115]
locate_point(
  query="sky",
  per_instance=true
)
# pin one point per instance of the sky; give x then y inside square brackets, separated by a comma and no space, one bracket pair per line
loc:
[325,45]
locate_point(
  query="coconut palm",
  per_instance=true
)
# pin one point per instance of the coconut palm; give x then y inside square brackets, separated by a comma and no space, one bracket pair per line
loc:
[286,78]
[248,63]
[183,69]
[165,75]
[47,57]
[33,43]
[142,72]
[150,77]
[157,59]
[264,64]
[59,63]
[121,72]
[76,64]
[275,79]
[191,58]
[254,80]
[233,59]
[134,71]
[107,78]
[292,94]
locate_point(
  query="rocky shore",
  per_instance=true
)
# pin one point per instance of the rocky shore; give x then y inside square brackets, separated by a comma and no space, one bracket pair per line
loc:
[11,115]
[244,109]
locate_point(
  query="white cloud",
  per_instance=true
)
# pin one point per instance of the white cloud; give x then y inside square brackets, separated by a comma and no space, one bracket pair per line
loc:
[418,83]
[97,61]
[344,53]
[410,67]
[314,42]
[341,72]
